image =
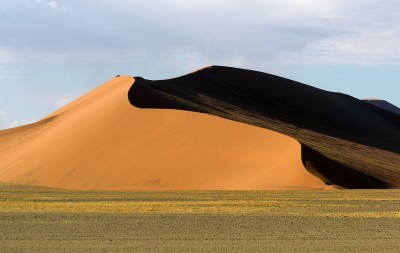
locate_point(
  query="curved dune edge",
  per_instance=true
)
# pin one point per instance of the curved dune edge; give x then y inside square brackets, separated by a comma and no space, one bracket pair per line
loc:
[345,141]
[101,142]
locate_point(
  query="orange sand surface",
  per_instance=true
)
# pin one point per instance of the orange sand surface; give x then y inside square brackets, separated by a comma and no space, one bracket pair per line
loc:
[101,142]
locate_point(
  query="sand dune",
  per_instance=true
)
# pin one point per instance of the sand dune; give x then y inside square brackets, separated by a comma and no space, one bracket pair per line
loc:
[345,141]
[102,142]
[207,130]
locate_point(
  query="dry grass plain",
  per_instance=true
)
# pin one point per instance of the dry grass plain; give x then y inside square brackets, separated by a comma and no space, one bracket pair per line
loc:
[47,220]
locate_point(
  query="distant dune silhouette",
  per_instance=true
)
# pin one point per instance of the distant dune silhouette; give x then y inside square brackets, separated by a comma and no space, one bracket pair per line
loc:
[345,141]
[384,104]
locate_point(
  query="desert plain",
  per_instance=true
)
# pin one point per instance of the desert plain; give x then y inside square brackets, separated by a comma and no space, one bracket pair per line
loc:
[37,219]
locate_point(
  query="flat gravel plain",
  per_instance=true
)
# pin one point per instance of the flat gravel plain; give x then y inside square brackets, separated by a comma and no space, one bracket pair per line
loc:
[34,219]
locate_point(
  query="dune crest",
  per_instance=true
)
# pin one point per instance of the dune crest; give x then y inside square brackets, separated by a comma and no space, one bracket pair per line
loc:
[101,142]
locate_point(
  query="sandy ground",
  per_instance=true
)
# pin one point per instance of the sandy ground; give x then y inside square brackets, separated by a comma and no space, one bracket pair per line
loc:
[45,220]
[101,142]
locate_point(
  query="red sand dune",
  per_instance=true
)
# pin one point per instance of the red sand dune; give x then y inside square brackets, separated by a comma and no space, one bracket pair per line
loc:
[102,142]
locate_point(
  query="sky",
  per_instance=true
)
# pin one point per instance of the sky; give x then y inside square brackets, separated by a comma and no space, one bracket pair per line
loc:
[52,52]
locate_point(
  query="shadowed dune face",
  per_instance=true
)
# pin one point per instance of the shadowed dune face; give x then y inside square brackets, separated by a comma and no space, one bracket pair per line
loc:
[345,141]
[332,172]
[101,142]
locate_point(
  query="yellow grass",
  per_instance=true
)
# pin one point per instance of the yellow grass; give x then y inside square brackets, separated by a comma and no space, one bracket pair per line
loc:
[48,220]
[343,203]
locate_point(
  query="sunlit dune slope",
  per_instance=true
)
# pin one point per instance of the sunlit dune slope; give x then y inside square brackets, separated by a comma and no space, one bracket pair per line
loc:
[102,142]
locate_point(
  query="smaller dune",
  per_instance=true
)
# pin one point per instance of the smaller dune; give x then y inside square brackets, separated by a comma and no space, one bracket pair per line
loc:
[384,105]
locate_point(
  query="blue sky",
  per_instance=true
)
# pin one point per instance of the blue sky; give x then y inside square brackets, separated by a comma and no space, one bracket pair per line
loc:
[51,52]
